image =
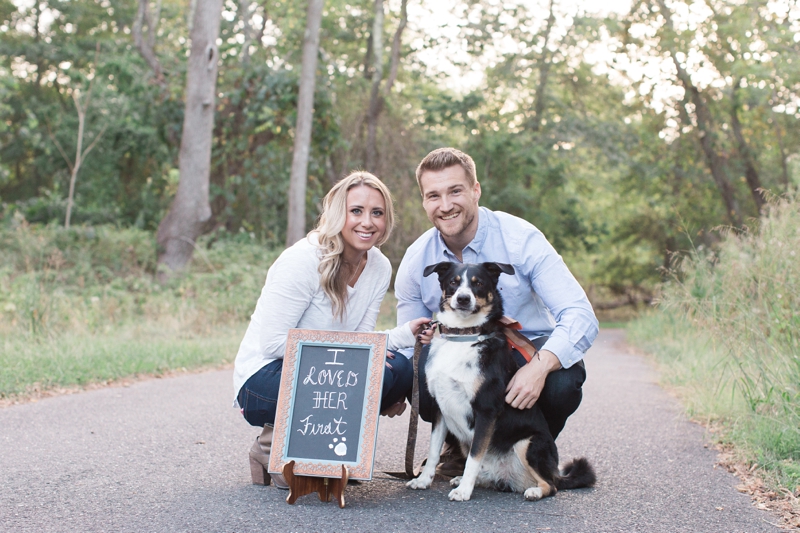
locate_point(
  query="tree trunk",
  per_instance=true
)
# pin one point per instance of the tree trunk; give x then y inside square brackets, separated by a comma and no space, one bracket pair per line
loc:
[748,158]
[716,163]
[302,135]
[784,166]
[544,73]
[190,210]
[77,166]
[705,123]
[368,59]
[250,37]
[247,30]
[750,172]
[396,43]
[146,47]
[80,154]
[375,100]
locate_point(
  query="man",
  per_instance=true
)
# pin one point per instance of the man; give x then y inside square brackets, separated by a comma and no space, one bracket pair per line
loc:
[542,295]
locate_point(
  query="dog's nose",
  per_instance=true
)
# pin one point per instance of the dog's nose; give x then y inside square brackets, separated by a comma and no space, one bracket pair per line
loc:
[462,299]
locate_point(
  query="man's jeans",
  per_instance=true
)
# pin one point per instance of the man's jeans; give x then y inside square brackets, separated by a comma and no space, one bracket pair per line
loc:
[560,397]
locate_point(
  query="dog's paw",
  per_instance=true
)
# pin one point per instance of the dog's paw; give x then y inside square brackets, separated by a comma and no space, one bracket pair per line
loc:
[419,483]
[456,481]
[533,493]
[459,494]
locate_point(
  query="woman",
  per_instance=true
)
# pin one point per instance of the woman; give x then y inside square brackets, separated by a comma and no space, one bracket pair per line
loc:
[334,279]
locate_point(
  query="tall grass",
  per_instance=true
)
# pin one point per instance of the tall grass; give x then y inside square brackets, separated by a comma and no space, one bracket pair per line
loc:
[82,305]
[727,336]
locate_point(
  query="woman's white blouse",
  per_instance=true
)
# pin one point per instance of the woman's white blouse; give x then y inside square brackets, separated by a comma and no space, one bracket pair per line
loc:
[293,298]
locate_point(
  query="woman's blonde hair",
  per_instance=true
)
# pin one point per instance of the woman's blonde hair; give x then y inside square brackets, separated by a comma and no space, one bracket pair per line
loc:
[329,234]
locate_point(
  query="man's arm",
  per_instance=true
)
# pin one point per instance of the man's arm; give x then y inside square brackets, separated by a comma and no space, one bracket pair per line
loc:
[408,292]
[576,325]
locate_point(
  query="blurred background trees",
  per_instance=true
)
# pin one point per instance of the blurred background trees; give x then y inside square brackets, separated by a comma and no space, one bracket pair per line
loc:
[625,136]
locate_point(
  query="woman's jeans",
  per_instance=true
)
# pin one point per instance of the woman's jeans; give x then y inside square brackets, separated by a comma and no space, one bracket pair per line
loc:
[258,397]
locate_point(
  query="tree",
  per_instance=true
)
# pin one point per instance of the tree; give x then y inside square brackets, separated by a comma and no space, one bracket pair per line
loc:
[377,75]
[376,99]
[80,155]
[302,135]
[147,46]
[190,210]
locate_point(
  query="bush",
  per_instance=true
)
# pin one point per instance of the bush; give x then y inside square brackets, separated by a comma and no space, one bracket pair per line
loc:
[73,301]
[728,337]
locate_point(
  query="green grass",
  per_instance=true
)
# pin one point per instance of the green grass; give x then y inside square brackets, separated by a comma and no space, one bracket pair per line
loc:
[613,325]
[75,360]
[82,306]
[727,339]
[387,318]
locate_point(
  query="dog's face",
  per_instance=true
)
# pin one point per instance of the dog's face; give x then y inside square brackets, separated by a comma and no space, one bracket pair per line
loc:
[469,291]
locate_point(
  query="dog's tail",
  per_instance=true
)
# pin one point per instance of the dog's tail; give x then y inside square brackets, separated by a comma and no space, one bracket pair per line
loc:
[576,474]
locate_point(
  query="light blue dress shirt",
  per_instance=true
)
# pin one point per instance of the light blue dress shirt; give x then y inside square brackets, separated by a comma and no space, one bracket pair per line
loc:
[542,295]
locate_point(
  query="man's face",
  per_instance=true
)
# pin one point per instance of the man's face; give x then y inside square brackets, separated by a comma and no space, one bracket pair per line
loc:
[451,202]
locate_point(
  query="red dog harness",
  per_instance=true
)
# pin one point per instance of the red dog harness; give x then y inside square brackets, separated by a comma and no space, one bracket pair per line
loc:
[517,340]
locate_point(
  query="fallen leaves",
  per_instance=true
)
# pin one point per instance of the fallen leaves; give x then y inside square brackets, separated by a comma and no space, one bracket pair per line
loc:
[784,504]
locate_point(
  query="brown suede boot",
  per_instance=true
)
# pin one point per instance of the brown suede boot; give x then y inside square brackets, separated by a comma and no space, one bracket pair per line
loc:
[259,461]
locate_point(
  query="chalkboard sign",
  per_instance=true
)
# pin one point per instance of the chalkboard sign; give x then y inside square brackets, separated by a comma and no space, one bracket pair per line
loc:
[329,401]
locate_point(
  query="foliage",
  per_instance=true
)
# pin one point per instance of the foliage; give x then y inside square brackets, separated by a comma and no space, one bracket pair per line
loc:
[579,123]
[82,304]
[726,334]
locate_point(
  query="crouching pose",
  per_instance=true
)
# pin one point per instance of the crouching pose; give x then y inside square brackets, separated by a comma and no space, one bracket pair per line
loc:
[468,369]
[542,294]
[334,279]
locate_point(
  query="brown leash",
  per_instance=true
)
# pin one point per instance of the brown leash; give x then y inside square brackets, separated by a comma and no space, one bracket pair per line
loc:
[413,420]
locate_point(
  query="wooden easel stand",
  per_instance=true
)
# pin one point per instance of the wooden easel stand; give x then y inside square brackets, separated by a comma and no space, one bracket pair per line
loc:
[326,487]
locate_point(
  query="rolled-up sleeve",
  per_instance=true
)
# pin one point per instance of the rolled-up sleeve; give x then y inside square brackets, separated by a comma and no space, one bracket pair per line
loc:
[576,325]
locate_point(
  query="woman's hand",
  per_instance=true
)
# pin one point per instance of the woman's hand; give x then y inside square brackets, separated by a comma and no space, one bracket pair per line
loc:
[421,329]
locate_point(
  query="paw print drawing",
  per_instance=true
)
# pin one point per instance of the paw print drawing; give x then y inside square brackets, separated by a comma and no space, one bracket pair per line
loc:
[339,449]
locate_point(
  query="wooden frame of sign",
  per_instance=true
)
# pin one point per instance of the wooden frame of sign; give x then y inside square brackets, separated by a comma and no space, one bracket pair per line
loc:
[326,420]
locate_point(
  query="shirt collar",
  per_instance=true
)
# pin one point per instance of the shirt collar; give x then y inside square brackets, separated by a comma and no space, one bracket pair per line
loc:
[477,242]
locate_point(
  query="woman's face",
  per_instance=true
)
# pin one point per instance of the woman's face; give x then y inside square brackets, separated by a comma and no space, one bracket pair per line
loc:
[366,219]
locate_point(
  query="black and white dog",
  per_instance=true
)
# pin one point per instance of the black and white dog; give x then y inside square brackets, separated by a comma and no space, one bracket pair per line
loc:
[468,369]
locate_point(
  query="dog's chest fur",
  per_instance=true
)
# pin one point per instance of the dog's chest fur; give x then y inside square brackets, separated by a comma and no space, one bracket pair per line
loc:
[454,377]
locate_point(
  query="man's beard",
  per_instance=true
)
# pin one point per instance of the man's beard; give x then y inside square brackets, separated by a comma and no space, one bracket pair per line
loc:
[453,232]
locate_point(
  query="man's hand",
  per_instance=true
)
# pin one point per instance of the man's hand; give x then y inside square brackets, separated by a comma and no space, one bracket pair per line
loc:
[525,387]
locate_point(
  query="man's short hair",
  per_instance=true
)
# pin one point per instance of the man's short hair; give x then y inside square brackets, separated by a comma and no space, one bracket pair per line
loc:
[443,158]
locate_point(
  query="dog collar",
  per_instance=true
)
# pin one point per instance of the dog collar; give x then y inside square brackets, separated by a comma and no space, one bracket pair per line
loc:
[463,338]
[461,334]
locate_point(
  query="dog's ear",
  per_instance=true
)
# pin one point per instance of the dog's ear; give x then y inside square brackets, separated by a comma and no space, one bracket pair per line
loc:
[498,268]
[438,268]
